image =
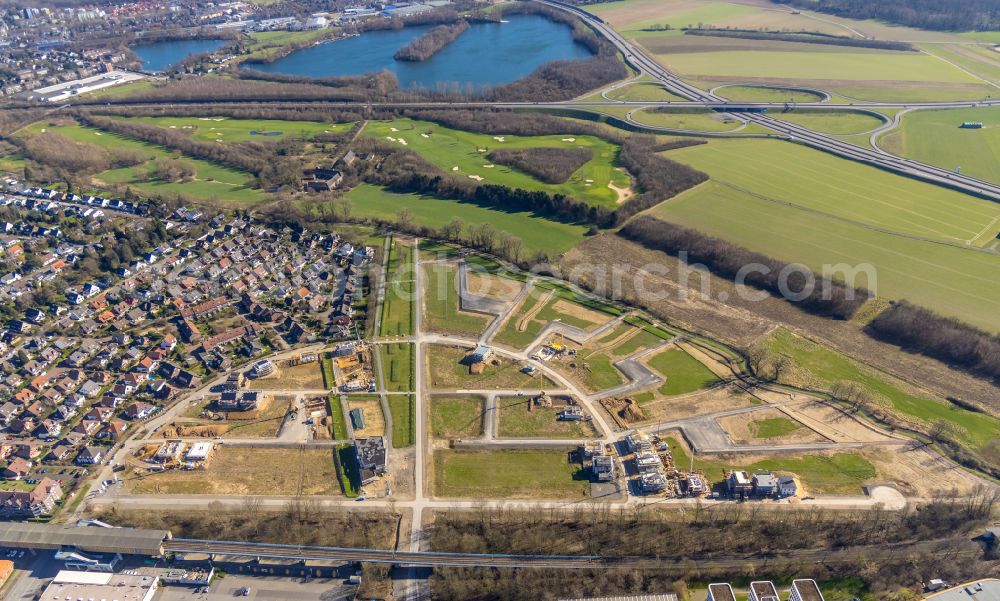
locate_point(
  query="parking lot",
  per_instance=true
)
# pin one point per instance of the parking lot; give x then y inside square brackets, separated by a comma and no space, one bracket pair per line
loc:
[262,588]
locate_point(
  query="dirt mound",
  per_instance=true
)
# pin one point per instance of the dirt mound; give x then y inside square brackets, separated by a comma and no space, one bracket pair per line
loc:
[624,411]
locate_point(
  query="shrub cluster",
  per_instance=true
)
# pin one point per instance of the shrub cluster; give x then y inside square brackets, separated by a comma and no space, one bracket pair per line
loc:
[551,165]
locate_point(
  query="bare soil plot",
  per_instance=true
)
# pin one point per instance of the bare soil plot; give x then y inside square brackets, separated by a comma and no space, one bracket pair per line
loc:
[693,405]
[371,409]
[921,472]
[307,376]
[767,426]
[574,310]
[832,422]
[245,471]
[494,286]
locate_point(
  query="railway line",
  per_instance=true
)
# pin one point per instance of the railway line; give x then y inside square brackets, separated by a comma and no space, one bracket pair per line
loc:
[563,562]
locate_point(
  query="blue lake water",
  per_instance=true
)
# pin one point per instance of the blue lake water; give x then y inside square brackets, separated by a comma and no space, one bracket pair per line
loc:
[159,56]
[486,54]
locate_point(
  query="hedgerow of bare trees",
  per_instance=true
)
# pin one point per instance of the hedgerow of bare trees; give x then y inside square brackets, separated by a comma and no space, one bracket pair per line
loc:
[922,331]
[828,298]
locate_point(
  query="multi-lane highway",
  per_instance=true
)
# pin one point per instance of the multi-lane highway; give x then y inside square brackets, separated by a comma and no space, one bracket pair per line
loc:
[638,59]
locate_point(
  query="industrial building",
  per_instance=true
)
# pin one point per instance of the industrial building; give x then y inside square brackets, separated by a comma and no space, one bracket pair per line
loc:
[762,590]
[987,589]
[92,585]
[720,591]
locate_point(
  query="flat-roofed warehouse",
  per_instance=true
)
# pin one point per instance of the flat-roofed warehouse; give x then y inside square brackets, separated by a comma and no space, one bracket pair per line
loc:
[130,541]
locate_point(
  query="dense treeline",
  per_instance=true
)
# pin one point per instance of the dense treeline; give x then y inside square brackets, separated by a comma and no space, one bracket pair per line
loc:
[939,15]
[237,156]
[803,288]
[278,113]
[804,37]
[750,533]
[549,164]
[431,42]
[370,86]
[658,178]
[922,331]
[209,89]
[501,121]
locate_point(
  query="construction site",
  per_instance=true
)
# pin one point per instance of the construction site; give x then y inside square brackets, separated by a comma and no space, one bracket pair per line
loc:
[352,367]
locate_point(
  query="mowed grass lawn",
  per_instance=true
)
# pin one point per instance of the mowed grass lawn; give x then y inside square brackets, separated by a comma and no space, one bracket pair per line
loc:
[643,90]
[535,232]
[688,120]
[456,417]
[935,137]
[773,427]
[402,408]
[825,367]
[245,471]
[832,122]
[683,372]
[515,421]
[397,366]
[398,307]
[224,129]
[448,148]
[840,473]
[211,181]
[508,475]
[441,303]
[757,94]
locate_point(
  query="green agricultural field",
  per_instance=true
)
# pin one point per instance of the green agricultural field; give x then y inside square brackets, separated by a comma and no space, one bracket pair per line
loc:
[224,129]
[832,122]
[397,366]
[508,475]
[935,137]
[449,149]
[536,233]
[817,64]
[266,43]
[403,409]
[757,94]
[688,120]
[211,181]
[965,283]
[515,421]
[822,367]
[773,427]
[400,288]
[840,473]
[456,417]
[801,176]
[683,372]
[441,302]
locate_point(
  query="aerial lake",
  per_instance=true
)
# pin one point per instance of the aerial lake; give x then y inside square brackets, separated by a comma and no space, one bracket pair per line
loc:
[487,54]
[159,56]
